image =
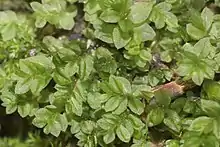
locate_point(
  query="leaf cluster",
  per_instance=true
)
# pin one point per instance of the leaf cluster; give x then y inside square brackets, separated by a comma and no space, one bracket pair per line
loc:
[116,82]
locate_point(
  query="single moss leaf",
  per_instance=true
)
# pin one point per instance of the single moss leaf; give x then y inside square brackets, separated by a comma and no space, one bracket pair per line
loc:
[140,11]
[136,105]
[110,16]
[112,103]
[120,39]
[155,117]
[123,133]
[194,32]
[110,137]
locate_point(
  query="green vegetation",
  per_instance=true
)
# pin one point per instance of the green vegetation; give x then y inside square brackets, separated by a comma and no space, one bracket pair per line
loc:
[108,73]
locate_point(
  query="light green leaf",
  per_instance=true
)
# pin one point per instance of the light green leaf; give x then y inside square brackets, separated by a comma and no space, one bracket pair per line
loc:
[198,77]
[119,85]
[208,17]
[126,25]
[171,20]
[40,22]
[145,55]
[172,143]
[75,127]
[22,86]
[7,17]
[109,137]
[73,105]
[37,85]
[122,107]
[202,124]
[66,21]
[85,67]
[145,31]
[194,32]
[165,56]
[52,122]
[196,68]
[9,101]
[96,99]
[211,108]
[136,105]
[110,16]
[92,7]
[216,127]
[203,47]
[27,109]
[123,133]
[87,127]
[104,32]
[37,72]
[192,139]
[8,32]
[158,14]
[136,122]
[26,106]
[120,39]
[112,103]
[140,11]
[36,6]
[211,89]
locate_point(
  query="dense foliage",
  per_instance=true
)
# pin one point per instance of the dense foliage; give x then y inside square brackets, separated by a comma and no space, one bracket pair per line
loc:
[111,73]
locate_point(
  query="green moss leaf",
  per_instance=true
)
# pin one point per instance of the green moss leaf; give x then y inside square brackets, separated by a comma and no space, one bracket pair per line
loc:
[155,117]
[172,120]
[211,108]
[202,125]
[110,16]
[140,11]
[123,133]
[108,138]
[120,39]
[136,105]
[145,31]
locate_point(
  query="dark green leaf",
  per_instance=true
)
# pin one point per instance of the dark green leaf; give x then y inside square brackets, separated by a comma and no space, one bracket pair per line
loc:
[163,97]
